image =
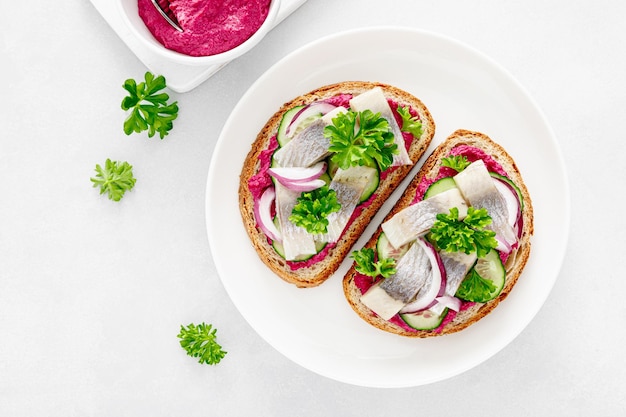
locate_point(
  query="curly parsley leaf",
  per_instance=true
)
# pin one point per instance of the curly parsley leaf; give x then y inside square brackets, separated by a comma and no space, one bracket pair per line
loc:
[200,342]
[149,109]
[467,235]
[312,209]
[476,288]
[456,162]
[361,138]
[365,264]
[410,124]
[115,178]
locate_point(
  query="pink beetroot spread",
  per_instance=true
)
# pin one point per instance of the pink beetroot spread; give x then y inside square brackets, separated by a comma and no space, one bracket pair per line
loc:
[364,282]
[209,27]
[261,180]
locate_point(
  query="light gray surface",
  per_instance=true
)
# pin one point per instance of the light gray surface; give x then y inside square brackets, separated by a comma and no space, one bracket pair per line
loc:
[92,292]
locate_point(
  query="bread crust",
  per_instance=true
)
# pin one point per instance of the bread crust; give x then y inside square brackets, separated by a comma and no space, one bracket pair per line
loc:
[319,272]
[515,263]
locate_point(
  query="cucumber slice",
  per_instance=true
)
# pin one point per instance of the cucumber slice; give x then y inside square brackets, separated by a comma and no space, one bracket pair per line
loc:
[386,250]
[278,247]
[273,164]
[512,184]
[424,320]
[288,118]
[488,268]
[371,186]
[284,124]
[439,187]
[332,167]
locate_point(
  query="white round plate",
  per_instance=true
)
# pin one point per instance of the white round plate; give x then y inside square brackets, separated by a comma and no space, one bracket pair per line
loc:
[316,327]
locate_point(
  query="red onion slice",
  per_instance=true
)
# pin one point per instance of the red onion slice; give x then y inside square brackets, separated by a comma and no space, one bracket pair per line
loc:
[503,245]
[263,214]
[452,303]
[519,226]
[511,200]
[298,174]
[514,209]
[427,295]
[304,186]
[313,109]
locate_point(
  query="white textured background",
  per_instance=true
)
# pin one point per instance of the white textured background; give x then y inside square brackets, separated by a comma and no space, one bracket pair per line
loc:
[92,293]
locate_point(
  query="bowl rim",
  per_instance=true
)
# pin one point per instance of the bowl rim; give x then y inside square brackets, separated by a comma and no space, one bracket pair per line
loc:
[178,57]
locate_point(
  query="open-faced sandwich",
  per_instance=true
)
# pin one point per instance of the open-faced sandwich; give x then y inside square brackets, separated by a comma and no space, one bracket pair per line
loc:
[320,169]
[453,246]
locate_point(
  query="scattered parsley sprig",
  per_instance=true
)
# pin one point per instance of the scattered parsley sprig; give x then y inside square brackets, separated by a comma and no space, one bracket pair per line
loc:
[365,264]
[312,209]
[467,235]
[149,109]
[115,178]
[200,342]
[361,138]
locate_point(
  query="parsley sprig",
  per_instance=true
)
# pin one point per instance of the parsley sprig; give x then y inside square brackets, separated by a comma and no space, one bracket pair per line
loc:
[410,124]
[456,162]
[312,209]
[115,178]
[200,342]
[366,265]
[467,235]
[476,288]
[149,109]
[361,138]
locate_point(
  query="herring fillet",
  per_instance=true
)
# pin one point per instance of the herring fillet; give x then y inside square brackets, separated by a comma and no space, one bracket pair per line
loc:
[296,241]
[412,271]
[457,265]
[381,303]
[306,148]
[375,101]
[417,219]
[348,184]
[328,117]
[478,188]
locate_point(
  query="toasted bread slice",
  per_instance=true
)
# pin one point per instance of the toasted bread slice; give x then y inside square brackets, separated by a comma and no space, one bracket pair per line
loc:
[314,273]
[470,312]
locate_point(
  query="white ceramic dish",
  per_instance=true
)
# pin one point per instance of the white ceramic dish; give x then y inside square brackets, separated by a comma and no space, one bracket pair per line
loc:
[180,77]
[315,327]
[128,11]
